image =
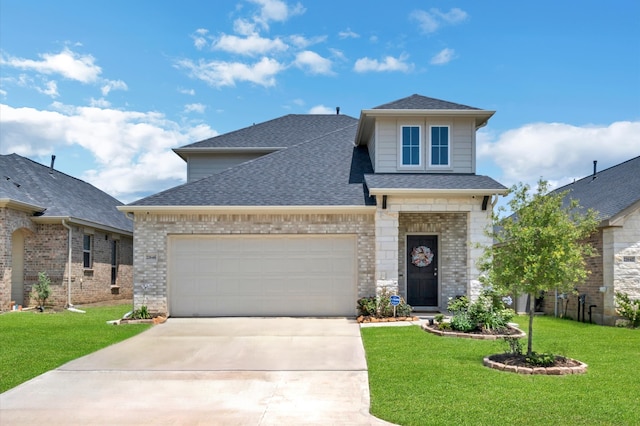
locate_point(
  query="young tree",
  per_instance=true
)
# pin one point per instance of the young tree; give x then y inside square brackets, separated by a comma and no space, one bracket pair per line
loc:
[42,289]
[540,247]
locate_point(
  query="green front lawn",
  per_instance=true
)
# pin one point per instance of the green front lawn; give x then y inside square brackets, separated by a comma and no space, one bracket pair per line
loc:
[33,343]
[417,378]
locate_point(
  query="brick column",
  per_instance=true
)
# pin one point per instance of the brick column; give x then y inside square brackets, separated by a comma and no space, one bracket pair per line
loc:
[387,250]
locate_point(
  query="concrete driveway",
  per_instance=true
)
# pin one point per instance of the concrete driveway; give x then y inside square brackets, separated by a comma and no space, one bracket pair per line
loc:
[213,371]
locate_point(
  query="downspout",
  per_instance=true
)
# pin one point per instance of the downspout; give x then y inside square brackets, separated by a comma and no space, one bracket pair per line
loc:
[69,305]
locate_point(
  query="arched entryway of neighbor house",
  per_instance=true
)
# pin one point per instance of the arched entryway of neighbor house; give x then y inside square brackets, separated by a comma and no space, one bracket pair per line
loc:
[17,265]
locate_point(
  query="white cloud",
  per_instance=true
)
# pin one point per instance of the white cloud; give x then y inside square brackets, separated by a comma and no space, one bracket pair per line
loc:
[244,27]
[302,42]
[195,108]
[132,149]
[100,103]
[443,57]
[68,64]
[200,38]
[190,92]
[113,85]
[251,45]
[373,39]
[338,54]
[3,92]
[389,64]
[558,152]
[276,11]
[298,101]
[321,109]
[348,34]
[50,89]
[221,73]
[430,22]
[313,63]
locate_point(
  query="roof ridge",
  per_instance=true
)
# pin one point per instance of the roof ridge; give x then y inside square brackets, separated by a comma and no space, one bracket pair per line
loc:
[596,174]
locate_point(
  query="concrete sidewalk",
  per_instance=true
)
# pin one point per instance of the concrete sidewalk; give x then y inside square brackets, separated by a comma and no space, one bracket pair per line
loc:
[214,371]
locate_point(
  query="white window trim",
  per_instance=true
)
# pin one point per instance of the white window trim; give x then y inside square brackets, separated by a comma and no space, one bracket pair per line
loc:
[440,166]
[90,250]
[420,165]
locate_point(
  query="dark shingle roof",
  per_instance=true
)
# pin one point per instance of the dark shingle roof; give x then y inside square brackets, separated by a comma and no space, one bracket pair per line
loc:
[613,189]
[326,171]
[422,102]
[281,132]
[29,182]
[432,181]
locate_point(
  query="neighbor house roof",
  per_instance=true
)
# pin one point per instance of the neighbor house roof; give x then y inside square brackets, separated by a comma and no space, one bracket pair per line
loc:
[612,192]
[424,183]
[325,171]
[271,135]
[51,194]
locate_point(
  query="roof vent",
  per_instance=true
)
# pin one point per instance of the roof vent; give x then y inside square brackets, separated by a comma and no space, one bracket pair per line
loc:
[53,160]
[595,169]
[337,110]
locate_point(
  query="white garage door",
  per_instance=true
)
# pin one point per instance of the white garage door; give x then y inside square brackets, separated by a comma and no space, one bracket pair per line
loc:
[262,275]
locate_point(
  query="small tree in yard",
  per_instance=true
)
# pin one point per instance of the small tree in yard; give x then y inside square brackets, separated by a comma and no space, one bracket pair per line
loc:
[42,289]
[539,248]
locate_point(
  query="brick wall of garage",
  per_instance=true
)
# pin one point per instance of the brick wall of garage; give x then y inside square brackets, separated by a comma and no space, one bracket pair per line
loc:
[151,243]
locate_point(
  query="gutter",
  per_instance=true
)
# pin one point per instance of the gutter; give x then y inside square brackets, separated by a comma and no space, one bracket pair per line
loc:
[69,305]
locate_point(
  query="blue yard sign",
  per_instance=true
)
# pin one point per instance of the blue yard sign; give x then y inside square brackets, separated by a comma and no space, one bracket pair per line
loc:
[395,300]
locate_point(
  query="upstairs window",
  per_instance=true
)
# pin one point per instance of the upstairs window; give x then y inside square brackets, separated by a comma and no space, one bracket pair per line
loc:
[86,251]
[440,145]
[410,145]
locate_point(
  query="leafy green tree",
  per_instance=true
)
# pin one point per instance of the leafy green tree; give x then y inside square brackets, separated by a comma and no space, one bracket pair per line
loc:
[540,247]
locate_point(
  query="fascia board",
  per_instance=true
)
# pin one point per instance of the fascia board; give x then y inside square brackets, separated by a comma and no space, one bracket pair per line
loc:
[79,222]
[247,209]
[19,205]
[418,192]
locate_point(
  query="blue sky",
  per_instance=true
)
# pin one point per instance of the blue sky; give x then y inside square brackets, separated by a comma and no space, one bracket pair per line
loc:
[110,87]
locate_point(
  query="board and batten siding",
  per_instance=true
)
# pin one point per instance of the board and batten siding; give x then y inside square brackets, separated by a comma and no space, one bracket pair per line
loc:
[203,165]
[462,148]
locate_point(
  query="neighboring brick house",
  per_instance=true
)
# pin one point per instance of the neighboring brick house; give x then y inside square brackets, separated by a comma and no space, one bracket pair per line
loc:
[615,194]
[41,211]
[304,214]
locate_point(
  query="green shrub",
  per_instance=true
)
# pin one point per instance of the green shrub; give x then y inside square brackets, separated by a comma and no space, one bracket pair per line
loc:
[514,345]
[42,289]
[439,318]
[141,313]
[541,359]
[380,306]
[628,309]
[486,313]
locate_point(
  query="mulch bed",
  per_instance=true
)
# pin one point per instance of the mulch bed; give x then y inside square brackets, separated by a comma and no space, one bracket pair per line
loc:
[518,364]
[368,318]
[475,334]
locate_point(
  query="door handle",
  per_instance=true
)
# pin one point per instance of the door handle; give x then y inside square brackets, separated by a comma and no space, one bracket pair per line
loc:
[435,274]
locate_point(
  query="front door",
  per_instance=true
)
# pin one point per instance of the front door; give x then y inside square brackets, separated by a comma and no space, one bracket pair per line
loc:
[422,270]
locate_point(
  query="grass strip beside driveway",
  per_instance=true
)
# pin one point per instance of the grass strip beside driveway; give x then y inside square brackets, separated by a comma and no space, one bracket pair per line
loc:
[417,378]
[34,343]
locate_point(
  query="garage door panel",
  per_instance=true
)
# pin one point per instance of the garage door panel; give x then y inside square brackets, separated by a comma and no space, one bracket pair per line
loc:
[262,275]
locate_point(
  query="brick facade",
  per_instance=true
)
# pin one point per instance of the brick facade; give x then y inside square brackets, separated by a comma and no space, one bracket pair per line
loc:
[451,229]
[45,250]
[615,268]
[151,243]
[460,224]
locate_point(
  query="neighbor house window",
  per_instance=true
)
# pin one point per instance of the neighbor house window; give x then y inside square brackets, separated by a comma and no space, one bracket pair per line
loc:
[440,145]
[410,145]
[86,251]
[114,262]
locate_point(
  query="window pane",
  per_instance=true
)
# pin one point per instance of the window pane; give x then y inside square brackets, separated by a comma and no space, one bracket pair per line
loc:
[415,136]
[435,158]
[406,158]
[87,242]
[415,156]
[444,159]
[435,136]
[444,136]
[87,259]
[406,136]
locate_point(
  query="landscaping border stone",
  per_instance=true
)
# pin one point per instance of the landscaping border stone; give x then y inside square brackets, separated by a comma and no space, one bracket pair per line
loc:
[581,368]
[434,330]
